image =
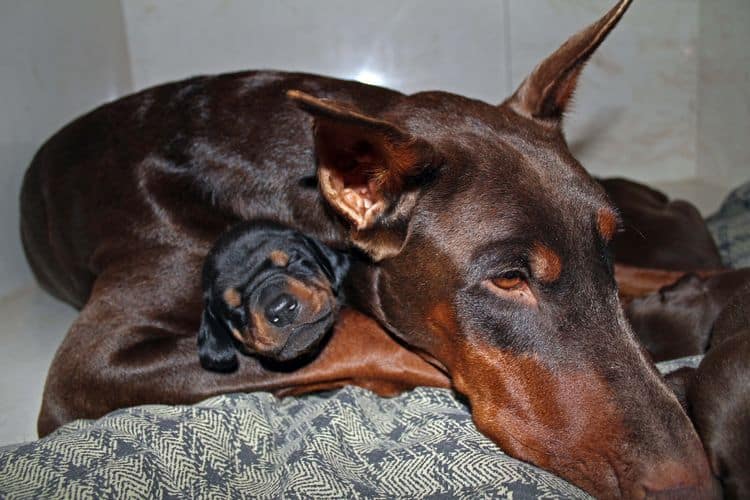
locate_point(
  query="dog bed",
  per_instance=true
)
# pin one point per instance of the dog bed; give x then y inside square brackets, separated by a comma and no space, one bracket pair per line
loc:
[348,443]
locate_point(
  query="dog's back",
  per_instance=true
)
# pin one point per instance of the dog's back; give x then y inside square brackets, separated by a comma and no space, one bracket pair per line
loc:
[181,160]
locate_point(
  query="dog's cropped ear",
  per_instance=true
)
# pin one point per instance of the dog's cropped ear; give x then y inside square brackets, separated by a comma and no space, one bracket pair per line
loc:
[335,264]
[546,92]
[216,350]
[367,170]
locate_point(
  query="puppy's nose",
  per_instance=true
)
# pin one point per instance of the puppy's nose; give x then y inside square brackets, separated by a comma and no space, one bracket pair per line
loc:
[282,310]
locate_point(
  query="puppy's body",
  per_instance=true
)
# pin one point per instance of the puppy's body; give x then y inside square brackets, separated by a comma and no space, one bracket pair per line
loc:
[717,396]
[676,320]
[273,290]
[719,404]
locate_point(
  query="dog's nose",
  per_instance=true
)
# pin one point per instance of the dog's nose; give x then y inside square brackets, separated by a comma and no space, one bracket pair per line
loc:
[282,310]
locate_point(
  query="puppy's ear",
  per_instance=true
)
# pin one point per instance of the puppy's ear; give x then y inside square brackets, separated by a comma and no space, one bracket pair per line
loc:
[335,264]
[215,347]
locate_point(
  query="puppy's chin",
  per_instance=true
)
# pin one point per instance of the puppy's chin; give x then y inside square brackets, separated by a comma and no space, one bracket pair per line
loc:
[302,340]
[306,340]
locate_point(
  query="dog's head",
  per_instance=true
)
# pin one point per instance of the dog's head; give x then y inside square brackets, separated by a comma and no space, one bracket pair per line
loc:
[491,243]
[270,290]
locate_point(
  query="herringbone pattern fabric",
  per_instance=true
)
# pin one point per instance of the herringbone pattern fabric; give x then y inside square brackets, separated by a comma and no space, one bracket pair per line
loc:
[345,444]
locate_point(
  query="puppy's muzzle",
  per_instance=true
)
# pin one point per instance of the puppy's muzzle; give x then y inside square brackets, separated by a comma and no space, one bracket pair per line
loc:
[281,309]
[288,318]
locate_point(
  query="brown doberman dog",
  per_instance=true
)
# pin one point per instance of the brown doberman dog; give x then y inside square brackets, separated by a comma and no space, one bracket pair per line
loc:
[483,242]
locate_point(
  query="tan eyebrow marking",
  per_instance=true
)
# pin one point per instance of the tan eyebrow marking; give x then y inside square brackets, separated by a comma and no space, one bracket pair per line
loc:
[279,258]
[232,297]
[545,263]
[606,223]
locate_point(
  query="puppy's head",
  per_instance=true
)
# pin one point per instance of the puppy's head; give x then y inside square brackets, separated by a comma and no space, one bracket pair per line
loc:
[671,323]
[272,291]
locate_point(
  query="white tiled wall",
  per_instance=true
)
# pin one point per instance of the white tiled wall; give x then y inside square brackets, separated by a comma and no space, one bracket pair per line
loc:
[723,140]
[410,45]
[57,60]
[635,110]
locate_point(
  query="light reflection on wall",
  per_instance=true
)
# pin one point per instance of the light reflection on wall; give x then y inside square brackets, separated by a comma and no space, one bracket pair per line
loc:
[370,77]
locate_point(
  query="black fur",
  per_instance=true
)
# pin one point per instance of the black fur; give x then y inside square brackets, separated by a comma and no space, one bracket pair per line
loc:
[240,261]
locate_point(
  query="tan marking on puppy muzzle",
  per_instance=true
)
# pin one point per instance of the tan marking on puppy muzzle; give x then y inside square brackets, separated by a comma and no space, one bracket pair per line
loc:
[264,337]
[313,297]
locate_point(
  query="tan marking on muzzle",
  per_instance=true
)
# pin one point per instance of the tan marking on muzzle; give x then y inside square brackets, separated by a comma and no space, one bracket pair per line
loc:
[441,322]
[264,339]
[314,297]
[545,263]
[563,421]
[232,297]
[279,258]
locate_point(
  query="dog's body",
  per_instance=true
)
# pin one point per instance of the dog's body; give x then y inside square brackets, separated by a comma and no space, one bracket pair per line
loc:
[719,403]
[677,320]
[485,243]
[717,395]
[271,290]
[659,233]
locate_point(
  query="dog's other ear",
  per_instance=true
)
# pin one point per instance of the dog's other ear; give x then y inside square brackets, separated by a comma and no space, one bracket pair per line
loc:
[216,350]
[367,168]
[546,92]
[335,264]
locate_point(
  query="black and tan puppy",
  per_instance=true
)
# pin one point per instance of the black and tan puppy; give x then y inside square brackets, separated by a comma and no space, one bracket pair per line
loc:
[270,291]
[676,320]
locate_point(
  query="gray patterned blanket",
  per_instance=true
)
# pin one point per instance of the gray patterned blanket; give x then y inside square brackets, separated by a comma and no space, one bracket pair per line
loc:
[343,444]
[730,227]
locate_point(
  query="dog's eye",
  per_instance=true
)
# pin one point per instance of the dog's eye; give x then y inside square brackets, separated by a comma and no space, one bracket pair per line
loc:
[509,280]
[512,285]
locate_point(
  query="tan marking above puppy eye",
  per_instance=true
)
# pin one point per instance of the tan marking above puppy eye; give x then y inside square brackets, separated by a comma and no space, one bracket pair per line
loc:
[279,258]
[232,297]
